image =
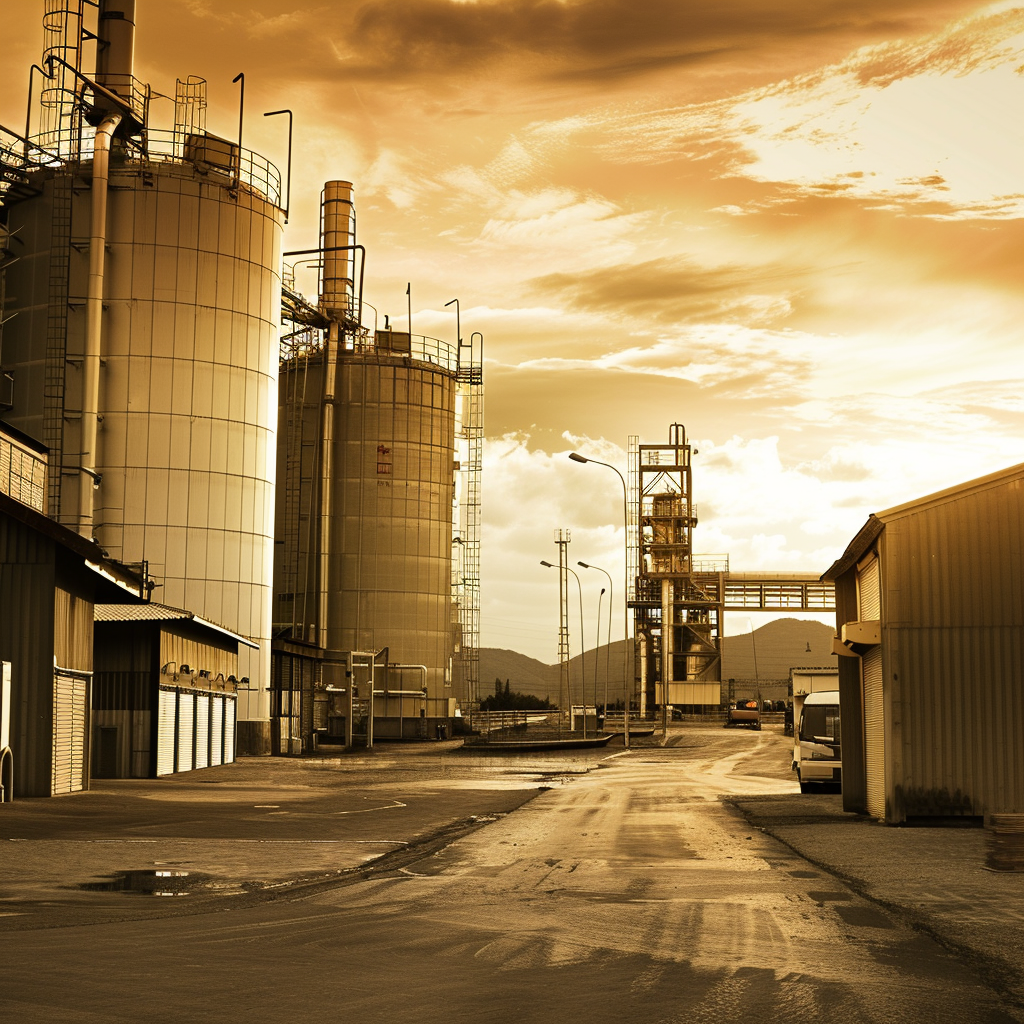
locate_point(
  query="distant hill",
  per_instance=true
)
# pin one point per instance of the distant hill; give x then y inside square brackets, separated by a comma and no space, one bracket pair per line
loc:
[779,646]
[525,674]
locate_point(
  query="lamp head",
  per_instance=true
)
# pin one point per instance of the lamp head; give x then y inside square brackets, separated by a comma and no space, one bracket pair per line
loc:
[584,564]
[576,457]
[548,564]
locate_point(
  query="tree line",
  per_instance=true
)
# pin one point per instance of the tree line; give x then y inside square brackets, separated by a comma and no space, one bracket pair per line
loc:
[505,698]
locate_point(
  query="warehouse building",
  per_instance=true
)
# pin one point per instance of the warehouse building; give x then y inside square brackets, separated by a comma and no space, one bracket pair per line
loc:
[930,623]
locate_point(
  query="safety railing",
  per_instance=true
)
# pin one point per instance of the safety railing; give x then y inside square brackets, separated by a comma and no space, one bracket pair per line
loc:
[209,154]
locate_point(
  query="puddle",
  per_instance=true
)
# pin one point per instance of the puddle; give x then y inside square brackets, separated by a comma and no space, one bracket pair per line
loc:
[150,883]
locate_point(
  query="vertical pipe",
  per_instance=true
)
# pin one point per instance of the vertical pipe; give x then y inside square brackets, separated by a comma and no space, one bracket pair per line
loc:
[115,49]
[336,299]
[89,460]
[336,290]
[327,477]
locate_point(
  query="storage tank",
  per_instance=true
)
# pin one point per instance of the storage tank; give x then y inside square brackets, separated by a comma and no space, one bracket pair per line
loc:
[145,348]
[366,465]
[391,532]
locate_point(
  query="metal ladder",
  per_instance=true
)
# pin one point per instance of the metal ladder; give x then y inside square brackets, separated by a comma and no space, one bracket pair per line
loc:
[56,336]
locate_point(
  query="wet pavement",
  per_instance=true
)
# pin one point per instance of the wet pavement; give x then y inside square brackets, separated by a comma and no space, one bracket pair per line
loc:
[682,882]
[255,827]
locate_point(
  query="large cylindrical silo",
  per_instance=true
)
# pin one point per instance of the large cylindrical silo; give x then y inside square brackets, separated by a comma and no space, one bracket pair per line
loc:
[391,543]
[184,463]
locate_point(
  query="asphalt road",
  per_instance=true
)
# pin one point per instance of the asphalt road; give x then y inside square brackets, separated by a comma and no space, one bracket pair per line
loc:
[627,889]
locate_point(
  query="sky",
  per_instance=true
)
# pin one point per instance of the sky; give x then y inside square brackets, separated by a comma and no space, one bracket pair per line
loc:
[793,226]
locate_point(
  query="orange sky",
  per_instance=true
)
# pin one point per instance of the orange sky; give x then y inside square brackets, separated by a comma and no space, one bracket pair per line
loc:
[793,226]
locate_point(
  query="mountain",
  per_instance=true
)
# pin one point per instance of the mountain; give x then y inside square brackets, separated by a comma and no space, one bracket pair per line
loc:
[525,674]
[778,646]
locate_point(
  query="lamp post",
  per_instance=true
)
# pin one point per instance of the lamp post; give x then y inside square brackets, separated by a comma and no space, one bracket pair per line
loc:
[576,457]
[608,648]
[597,648]
[583,651]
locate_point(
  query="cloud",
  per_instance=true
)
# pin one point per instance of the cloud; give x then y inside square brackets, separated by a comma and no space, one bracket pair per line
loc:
[598,40]
[677,290]
[562,225]
[932,126]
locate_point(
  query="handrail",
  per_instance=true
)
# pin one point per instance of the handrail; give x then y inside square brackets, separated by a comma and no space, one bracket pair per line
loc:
[157,146]
[7,790]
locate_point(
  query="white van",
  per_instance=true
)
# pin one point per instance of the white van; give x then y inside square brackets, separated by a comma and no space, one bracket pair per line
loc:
[817,758]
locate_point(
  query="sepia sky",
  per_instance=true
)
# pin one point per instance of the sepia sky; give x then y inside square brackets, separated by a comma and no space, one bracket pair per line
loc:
[794,226]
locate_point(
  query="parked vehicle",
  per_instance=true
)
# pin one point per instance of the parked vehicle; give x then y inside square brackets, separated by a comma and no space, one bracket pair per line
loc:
[744,712]
[817,754]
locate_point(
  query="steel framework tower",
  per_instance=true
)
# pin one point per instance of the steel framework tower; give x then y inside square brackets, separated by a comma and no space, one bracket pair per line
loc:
[677,621]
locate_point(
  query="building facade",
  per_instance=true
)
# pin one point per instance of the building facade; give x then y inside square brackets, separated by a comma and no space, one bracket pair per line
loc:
[930,624]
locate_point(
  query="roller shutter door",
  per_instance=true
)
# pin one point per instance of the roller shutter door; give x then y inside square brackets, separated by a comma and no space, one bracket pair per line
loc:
[165,732]
[186,728]
[70,709]
[230,708]
[216,730]
[202,730]
[869,592]
[869,608]
[874,731]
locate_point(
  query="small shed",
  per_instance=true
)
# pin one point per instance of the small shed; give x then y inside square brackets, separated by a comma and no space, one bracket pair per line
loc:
[930,624]
[164,693]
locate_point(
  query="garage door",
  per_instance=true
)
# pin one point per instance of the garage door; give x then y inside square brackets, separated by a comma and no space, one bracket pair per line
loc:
[70,709]
[874,731]
[230,708]
[165,732]
[216,730]
[186,731]
[202,730]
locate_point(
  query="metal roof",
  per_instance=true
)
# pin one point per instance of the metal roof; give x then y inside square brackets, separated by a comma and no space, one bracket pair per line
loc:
[877,520]
[981,483]
[855,549]
[160,613]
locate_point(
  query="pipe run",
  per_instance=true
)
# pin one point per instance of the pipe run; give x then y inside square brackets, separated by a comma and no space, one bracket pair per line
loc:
[89,477]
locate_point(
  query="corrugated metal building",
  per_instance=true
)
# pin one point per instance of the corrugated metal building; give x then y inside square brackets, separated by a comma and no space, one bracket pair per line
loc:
[164,695]
[50,578]
[930,616]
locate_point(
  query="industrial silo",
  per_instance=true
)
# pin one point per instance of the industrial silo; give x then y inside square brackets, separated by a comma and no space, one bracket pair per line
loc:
[391,532]
[146,303]
[368,477]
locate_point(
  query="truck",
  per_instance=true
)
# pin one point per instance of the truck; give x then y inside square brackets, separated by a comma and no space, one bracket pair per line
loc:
[817,751]
[744,712]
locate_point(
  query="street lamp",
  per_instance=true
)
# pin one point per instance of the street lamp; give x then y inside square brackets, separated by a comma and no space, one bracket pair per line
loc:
[576,457]
[597,647]
[608,648]
[583,651]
